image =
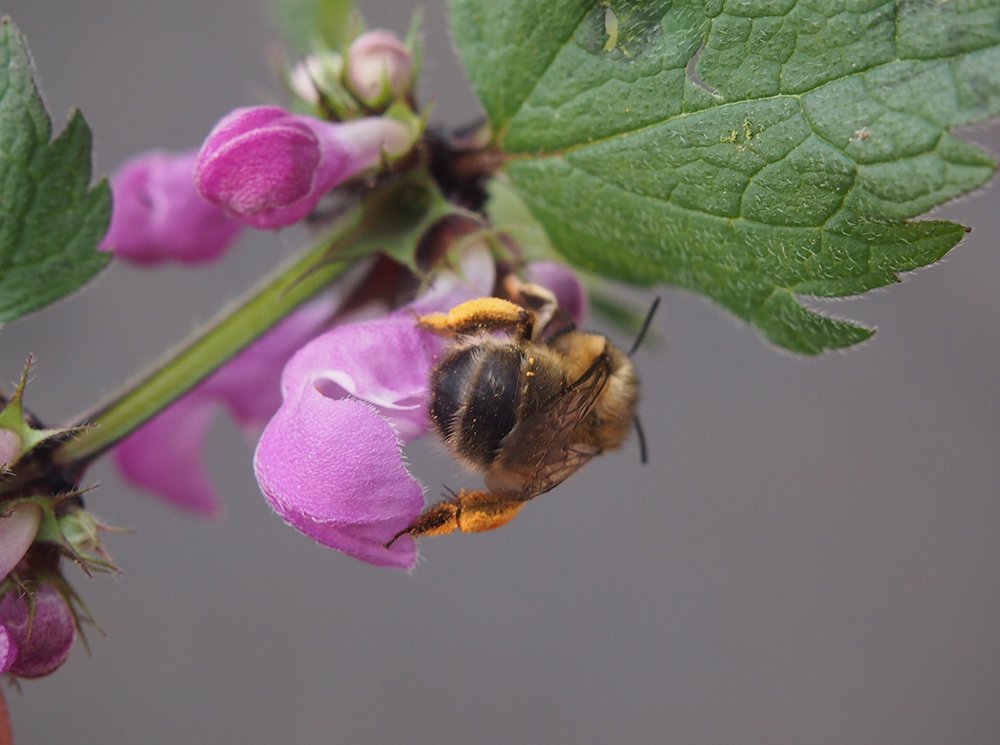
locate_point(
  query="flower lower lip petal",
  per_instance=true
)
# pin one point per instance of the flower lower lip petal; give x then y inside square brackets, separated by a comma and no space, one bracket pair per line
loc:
[333,469]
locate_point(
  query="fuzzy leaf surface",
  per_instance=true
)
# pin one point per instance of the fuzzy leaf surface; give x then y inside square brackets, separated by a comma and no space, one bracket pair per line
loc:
[51,219]
[754,152]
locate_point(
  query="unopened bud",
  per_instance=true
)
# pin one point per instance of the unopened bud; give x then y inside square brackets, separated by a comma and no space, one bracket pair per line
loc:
[270,168]
[317,75]
[379,67]
[18,528]
[41,628]
[10,448]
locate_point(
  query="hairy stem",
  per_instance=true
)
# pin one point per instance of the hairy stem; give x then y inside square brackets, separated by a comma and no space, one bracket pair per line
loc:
[233,329]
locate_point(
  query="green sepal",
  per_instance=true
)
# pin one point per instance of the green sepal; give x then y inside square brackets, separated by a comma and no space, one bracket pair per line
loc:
[74,530]
[396,217]
[13,419]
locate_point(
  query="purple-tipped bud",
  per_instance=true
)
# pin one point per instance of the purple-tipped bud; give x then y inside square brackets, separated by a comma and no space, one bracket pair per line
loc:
[379,67]
[270,168]
[158,216]
[42,638]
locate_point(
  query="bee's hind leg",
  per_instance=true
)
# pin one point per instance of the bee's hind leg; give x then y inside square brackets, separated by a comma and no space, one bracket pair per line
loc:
[482,314]
[467,511]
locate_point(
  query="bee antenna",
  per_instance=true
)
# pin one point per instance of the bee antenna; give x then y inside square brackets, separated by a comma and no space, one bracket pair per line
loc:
[451,492]
[643,453]
[644,328]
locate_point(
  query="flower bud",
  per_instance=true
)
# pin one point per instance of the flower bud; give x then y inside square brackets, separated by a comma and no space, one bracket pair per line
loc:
[158,216]
[42,631]
[270,168]
[18,527]
[379,67]
[10,448]
[316,76]
[8,650]
[81,532]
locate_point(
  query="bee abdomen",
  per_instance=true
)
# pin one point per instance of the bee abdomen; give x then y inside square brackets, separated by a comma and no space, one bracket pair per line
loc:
[474,403]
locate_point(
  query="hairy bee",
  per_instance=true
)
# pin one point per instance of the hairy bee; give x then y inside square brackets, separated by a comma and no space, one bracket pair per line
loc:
[524,412]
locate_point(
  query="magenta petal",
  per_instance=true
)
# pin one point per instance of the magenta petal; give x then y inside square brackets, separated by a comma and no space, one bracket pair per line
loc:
[249,384]
[561,280]
[164,457]
[385,362]
[333,469]
[475,277]
[270,168]
[259,164]
[43,641]
[159,216]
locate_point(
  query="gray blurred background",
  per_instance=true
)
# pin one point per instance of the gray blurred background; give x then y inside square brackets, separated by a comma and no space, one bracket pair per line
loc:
[811,555]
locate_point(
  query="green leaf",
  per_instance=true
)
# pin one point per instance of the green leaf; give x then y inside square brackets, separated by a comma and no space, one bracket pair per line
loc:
[316,25]
[50,220]
[755,152]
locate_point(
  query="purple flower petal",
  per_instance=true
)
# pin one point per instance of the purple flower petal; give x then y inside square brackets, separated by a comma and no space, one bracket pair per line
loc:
[385,362]
[475,277]
[43,640]
[270,168]
[333,469]
[330,462]
[165,455]
[17,532]
[158,215]
[564,284]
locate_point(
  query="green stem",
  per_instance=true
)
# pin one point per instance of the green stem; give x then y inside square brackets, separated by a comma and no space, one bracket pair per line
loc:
[233,329]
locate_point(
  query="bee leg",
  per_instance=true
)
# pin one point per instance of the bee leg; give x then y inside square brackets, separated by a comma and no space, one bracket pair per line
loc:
[467,511]
[482,314]
[540,300]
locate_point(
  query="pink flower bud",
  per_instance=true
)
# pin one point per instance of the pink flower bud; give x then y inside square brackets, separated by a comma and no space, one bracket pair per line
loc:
[379,67]
[10,448]
[315,74]
[158,216]
[17,532]
[42,639]
[270,168]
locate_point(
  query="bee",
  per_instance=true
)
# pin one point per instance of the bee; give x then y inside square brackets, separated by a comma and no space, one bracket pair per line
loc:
[525,412]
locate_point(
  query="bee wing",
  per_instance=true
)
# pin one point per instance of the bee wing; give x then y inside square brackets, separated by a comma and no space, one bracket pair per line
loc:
[540,450]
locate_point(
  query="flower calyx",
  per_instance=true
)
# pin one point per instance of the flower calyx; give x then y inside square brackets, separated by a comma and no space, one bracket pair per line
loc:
[20,432]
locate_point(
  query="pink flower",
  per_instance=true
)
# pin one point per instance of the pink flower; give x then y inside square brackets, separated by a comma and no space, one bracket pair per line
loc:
[379,66]
[158,216]
[570,294]
[330,462]
[270,168]
[165,456]
[35,644]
